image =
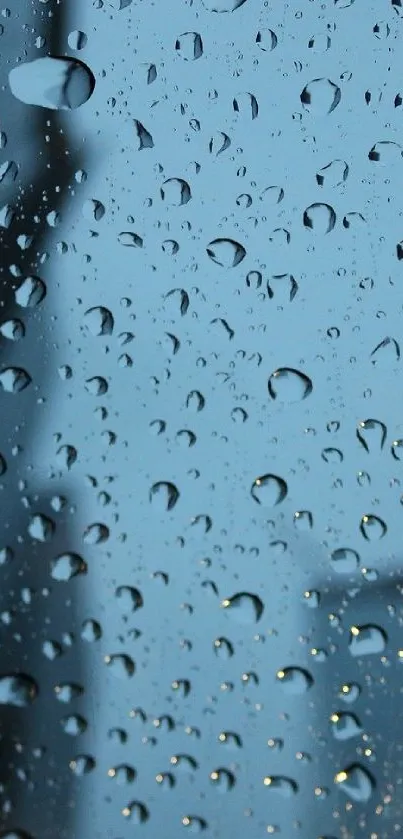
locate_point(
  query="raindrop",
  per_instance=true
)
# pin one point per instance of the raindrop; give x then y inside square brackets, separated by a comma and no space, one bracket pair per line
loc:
[67,692]
[91,631]
[66,456]
[219,143]
[372,528]
[367,640]
[320,96]
[130,598]
[96,534]
[77,40]
[246,105]
[99,321]
[356,783]
[289,385]
[93,210]
[372,434]
[332,175]
[320,218]
[74,725]
[82,765]
[41,528]
[144,137]
[164,495]
[189,46]
[344,560]
[294,680]
[14,379]
[285,787]
[222,5]
[52,82]
[345,726]
[96,386]
[13,330]
[226,252]
[244,608]
[130,240]
[121,665]
[266,39]
[66,566]
[222,779]
[17,690]
[30,293]
[387,351]
[269,490]
[223,648]
[175,192]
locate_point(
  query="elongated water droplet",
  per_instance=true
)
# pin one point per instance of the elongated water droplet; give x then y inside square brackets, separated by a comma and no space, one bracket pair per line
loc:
[52,82]
[372,434]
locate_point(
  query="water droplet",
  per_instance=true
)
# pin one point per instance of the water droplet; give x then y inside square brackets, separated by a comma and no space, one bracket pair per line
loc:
[344,560]
[345,726]
[367,640]
[14,379]
[320,218]
[66,566]
[246,105]
[333,175]
[356,783]
[121,665]
[30,293]
[52,82]
[91,631]
[222,5]
[386,352]
[244,608]
[222,779]
[269,490]
[17,690]
[74,725]
[175,192]
[145,141]
[226,252]
[136,812]
[96,386]
[164,495]
[320,96]
[77,39]
[266,39]
[130,599]
[289,385]
[99,321]
[122,774]
[223,648]
[195,400]
[372,528]
[349,692]
[285,787]
[82,765]
[67,692]
[41,528]
[96,534]
[189,46]
[294,680]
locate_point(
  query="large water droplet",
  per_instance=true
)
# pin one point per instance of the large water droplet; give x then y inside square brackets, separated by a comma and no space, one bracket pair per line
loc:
[121,665]
[52,82]
[244,608]
[372,528]
[269,490]
[367,640]
[17,690]
[320,218]
[222,5]
[66,566]
[14,379]
[356,783]
[99,321]
[30,293]
[320,96]
[164,495]
[372,434]
[136,812]
[344,560]
[189,46]
[285,787]
[226,252]
[345,726]
[289,385]
[332,175]
[294,680]
[41,527]
[175,192]
[266,39]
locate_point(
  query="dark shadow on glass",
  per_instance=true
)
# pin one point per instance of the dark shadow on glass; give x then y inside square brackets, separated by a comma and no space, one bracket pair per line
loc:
[39,627]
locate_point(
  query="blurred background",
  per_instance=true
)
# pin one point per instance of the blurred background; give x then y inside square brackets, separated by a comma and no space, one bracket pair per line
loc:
[201,434]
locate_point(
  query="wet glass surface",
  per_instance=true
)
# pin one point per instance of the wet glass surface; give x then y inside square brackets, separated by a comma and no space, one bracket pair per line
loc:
[201,439]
